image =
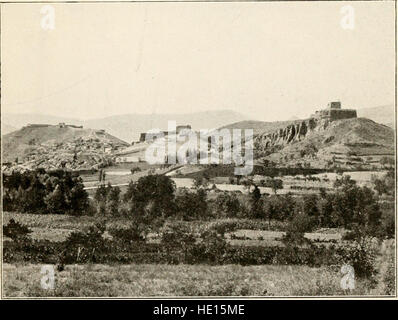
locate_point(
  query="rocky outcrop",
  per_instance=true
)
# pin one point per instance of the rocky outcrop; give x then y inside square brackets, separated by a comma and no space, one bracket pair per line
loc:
[296,131]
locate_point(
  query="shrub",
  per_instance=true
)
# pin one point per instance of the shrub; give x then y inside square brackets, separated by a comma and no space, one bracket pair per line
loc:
[131,234]
[84,246]
[192,205]
[16,231]
[361,255]
[300,224]
[211,249]
[227,205]
[387,229]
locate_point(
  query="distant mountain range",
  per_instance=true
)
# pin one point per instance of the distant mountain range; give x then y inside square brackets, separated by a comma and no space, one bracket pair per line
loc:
[129,126]
[292,142]
[382,114]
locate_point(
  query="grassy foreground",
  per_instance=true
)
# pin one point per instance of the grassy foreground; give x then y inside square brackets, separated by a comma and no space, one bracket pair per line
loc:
[96,280]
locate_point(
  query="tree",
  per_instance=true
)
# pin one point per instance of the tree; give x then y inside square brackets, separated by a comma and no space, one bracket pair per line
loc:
[386,184]
[296,229]
[100,197]
[151,197]
[276,184]
[35,196]
[100,175]
[192,205]
[200,182]
[353,207]
[103,176]
[256,203]
[56,201]
[387,161]
[344,181]
[113,200]
[228,205]
[380,186]
[78,199]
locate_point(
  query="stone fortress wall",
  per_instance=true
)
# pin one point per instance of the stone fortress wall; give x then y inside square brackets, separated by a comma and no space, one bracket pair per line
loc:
[334,112]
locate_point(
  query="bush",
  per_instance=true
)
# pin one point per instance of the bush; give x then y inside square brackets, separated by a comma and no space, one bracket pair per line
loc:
[300,224]
[211,249]
[128,235]
[16,231]
[387,229]
[192,205]
[227,205]
[84,246]
[361,255]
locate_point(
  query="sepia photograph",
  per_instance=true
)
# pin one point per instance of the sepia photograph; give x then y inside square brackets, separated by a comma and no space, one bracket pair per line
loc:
[191,150]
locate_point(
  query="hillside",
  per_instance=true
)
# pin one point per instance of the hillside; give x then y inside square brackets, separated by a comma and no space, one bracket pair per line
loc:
[323,143]
[52,147]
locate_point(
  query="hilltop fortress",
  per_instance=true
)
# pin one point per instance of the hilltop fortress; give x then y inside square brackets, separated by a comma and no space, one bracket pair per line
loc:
[334,112]
[299,128]
[59,125]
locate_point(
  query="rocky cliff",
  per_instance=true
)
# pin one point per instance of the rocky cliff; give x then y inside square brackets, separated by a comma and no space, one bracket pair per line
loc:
[325,137]
[296,131]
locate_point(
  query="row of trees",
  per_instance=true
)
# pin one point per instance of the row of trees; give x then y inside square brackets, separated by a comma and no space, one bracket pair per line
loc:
[45,192]
[154,197]
[350,206]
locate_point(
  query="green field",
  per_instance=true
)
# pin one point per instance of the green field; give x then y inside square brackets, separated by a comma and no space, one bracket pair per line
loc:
[146,280]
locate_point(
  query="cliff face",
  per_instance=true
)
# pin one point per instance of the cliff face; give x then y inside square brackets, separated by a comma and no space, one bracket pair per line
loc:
[324,138]
[296,131]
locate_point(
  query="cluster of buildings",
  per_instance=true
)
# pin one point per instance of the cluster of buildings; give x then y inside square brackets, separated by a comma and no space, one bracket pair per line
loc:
[152,136]
[136,152]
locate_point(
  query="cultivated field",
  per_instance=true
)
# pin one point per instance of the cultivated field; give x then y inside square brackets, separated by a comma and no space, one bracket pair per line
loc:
[94,280]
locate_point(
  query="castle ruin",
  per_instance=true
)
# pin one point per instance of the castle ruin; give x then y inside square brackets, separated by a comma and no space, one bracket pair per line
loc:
[335,112]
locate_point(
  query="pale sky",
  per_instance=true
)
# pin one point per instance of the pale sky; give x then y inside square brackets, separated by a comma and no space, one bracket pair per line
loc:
[268,60]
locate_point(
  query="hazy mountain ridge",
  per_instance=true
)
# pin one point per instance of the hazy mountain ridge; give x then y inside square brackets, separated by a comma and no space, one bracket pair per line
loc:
[381,114]
[129,126]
